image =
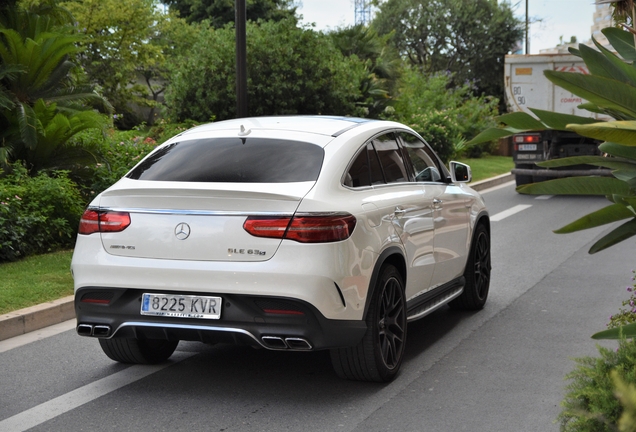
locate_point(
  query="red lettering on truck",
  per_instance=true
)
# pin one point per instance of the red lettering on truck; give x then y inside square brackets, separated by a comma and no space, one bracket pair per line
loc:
[572,100]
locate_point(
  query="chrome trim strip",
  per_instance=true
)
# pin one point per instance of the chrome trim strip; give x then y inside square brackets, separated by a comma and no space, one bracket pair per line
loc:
[189,212]
[192,327]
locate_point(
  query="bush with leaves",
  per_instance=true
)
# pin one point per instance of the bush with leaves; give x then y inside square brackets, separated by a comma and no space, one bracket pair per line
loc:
[627,313]
[443,115]
[37,214]
[610,89]
[590,404]
[291,70]
[118,152]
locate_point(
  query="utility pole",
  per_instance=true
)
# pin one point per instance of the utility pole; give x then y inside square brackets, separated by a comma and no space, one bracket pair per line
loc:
[527,30]
[240,23]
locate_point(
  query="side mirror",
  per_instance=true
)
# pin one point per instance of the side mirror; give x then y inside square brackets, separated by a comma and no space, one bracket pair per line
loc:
[460,172]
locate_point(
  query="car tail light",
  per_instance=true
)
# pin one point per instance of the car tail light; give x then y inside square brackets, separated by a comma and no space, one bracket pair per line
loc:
[103,221]
[305,228]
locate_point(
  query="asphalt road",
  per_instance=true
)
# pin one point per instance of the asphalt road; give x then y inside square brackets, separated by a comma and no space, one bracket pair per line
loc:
[500,369]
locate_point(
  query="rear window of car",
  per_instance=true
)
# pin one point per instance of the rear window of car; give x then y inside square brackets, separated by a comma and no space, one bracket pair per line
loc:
[233,160]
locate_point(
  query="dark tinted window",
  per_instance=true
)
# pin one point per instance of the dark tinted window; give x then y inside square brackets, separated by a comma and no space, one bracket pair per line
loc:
[365,169]
[423,160]
[391,159]
[233,160]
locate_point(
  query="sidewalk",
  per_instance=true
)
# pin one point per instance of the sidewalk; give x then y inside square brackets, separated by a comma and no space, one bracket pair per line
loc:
[46,314]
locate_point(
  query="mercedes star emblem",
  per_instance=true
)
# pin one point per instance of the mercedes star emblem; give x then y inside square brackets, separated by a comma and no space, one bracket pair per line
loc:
[182,231]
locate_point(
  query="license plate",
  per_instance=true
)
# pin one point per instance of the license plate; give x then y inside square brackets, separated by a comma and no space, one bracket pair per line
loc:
[181,306]
[527,147]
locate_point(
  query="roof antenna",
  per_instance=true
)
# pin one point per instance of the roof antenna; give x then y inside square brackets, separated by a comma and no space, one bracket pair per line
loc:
[244,132]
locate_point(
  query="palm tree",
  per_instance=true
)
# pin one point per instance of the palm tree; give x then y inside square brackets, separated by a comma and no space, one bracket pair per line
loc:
[35,69]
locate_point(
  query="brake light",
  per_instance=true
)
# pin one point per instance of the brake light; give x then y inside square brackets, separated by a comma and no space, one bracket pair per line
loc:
[529,138]
[303,228]
[96,221]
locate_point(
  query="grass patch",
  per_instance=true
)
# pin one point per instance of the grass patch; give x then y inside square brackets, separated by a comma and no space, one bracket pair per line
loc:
[489,166]
[34,280]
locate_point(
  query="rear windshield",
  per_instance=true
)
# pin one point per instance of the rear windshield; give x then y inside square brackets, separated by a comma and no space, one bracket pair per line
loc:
[233,160]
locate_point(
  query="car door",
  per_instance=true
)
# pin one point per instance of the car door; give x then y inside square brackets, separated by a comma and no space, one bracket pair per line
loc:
[409,208]
[451,207]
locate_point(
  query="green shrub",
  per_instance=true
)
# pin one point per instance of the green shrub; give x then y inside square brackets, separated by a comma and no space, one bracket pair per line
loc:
[291,70]
[454,113]
[37,214]
[440,129]
[590,403]
[626,315]
[119,151]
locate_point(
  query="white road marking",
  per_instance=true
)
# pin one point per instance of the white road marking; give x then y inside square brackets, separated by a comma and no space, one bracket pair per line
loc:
[69,401]
[511,211]
[544,197]
[43,333]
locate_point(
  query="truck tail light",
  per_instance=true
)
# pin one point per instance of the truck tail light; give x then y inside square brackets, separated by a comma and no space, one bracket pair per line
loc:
[93,221]
[305,228]
[527,138]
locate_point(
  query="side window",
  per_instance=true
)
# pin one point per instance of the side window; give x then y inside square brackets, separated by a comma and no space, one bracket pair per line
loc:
[365,169]
[422,158]
[391,158]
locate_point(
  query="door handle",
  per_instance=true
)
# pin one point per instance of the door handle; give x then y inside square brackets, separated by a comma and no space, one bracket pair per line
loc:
[437,202]
[398,212]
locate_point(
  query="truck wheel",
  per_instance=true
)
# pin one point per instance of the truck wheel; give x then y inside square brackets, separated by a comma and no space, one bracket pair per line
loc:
[523,179]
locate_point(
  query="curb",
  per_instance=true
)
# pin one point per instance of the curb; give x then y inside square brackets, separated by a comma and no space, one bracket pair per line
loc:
[36,317]
[43,315]
[491,182]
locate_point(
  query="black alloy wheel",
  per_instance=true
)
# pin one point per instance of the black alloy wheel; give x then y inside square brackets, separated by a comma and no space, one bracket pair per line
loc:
[477,273]
[378,356]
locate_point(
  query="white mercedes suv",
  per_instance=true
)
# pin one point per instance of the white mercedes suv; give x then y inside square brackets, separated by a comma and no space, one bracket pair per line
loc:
[285,233]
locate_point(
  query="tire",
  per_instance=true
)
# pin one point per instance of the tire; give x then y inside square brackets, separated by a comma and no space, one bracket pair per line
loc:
[379,355]
[521,180]
[138,351]
[477,273]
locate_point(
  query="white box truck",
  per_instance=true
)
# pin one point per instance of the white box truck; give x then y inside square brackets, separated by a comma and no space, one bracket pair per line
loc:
[527,87]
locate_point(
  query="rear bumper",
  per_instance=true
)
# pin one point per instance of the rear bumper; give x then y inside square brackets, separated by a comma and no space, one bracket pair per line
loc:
[243,320]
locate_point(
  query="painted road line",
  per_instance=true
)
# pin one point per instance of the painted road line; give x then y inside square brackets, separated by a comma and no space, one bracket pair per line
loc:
[511,211]
[544,197]
[43,333]
[69,401]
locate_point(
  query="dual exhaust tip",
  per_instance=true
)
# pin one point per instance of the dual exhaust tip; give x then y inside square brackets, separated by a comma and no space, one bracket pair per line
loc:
[93,330]
[291,343]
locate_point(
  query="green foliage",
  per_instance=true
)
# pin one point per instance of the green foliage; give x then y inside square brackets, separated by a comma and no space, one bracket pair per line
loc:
[290,71]
[444,115]
[626,394]
[119,152]
[37,214]
[625,315]
[382,64]
[118,52]
[440,129]
[590,403]
[610,89]
[468,38]
[221,12]
[40,104]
